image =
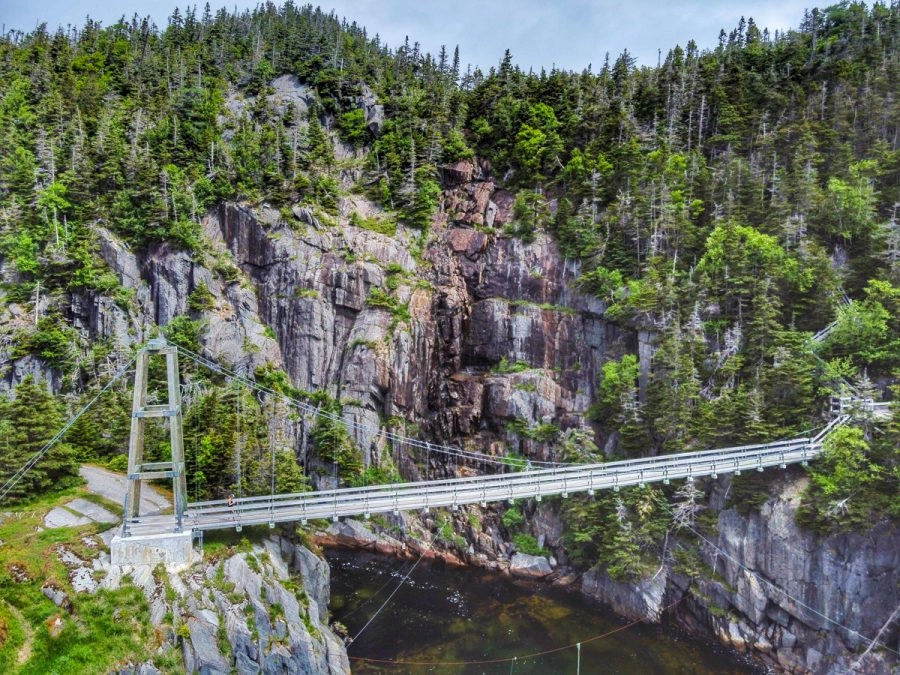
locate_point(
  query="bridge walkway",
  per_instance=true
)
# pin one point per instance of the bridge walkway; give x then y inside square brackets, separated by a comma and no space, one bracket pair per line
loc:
[456,492]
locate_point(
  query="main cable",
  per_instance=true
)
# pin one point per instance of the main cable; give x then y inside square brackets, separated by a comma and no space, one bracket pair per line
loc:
[17,477]
[312,411]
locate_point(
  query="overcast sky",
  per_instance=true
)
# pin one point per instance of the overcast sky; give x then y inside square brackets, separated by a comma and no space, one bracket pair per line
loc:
[540,33]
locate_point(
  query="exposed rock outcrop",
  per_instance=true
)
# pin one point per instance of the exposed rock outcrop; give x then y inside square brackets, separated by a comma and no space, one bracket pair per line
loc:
[801,602]
[263,610]
[373,112]
[473,300]
[635,599]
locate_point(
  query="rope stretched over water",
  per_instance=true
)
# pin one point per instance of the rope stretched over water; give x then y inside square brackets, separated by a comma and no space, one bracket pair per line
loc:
[374,595]
[515,659]
[393,593]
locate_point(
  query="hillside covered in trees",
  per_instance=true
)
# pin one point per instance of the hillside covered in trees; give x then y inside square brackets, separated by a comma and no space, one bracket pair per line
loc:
[731,202]
[733,214]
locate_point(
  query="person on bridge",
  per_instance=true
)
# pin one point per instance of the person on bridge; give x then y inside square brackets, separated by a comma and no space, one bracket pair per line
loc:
[231,500]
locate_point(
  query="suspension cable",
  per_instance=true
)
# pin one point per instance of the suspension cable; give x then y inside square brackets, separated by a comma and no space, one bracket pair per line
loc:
[240,440]
[312,411]
[272,443]
[16,478]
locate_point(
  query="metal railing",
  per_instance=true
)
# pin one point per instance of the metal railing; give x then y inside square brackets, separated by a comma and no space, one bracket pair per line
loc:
[364,501]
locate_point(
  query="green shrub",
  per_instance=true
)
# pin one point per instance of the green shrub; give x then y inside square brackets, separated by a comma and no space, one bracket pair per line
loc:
[379,298]
[509,367]
[527,544]
[118,463]
[201,298]
[381,226]
[185,332]
[513,517]
[352,129]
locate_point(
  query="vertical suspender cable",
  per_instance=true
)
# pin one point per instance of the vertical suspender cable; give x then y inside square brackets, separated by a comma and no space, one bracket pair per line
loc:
[196,455]
[240,441]
[272,448]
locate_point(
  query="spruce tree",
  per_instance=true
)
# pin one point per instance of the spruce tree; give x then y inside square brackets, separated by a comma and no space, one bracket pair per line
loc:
[33,417]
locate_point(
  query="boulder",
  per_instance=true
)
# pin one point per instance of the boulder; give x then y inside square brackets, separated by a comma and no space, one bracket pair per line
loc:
[57,596]
[531,566]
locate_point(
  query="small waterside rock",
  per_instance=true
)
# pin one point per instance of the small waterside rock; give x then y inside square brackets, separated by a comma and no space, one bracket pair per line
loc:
[531,566]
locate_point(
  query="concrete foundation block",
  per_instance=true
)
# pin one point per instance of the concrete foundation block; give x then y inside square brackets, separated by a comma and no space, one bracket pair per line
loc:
[171,549]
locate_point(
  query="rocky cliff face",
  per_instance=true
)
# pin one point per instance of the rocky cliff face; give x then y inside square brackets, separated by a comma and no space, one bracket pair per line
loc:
[800,602]
[262,610]
[806,602]
[392,328]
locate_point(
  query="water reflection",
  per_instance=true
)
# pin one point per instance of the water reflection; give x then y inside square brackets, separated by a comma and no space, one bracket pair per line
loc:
[445,620]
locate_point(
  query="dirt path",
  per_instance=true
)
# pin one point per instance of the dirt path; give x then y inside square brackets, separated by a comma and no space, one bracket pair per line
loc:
[28,632]
[112,485]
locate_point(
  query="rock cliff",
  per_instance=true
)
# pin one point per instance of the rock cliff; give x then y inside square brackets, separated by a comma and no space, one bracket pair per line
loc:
[262,609]
[802,603]
[422,329]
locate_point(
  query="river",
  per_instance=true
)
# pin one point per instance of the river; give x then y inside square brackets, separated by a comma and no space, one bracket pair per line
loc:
[447,620]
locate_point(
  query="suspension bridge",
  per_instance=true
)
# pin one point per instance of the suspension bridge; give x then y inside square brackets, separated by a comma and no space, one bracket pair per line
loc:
[152,538]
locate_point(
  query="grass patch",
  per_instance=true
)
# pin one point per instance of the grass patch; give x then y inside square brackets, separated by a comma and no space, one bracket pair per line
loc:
[105,630]
[378,225]
[527,544]
[544,306]
[12,637]
[379,298]
[509,367]
[306,293]
[360,342]
[218,544]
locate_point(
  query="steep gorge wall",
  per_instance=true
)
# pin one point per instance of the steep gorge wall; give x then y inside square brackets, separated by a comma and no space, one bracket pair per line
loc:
[472,300]
[825,594]
[800,602]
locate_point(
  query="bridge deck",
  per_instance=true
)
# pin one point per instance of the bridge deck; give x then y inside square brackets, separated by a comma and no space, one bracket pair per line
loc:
[331,504]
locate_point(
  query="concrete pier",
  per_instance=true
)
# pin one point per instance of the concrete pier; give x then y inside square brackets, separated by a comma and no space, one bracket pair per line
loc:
[170,549]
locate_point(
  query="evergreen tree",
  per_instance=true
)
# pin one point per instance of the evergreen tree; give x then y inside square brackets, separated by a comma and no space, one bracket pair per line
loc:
[32,418]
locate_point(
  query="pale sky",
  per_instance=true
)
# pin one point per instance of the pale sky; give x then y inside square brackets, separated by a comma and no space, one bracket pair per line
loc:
[540,33]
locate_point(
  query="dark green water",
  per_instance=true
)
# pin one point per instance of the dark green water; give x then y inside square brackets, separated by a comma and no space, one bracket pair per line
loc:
[446,620]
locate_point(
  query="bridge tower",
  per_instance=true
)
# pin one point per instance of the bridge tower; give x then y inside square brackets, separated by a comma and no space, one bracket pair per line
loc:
[141,411]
